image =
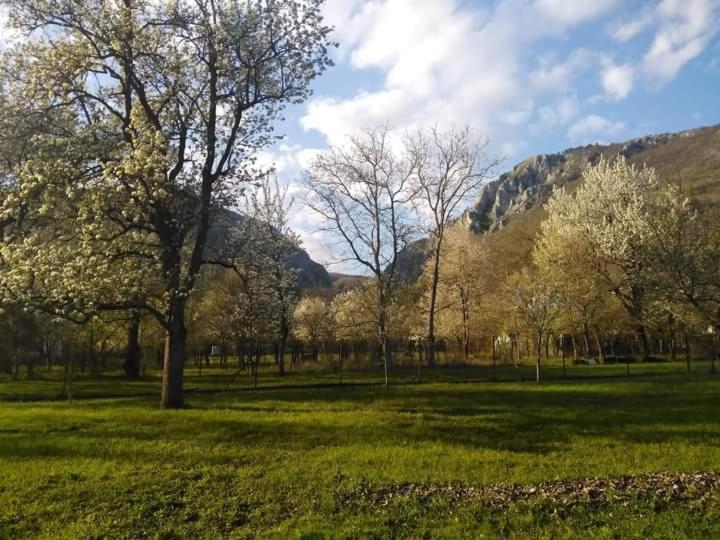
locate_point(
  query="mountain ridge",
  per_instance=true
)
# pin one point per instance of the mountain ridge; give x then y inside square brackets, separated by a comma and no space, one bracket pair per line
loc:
[691,156]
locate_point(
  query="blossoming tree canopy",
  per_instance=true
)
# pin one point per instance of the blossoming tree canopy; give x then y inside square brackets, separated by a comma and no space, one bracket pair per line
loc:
[146,116]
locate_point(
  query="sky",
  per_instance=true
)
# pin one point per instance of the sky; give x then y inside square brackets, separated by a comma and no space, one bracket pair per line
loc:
[533,76]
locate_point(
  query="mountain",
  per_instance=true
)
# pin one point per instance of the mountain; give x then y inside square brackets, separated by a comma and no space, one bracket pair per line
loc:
[692,157]
[311,275]
[512,205]
[346,282]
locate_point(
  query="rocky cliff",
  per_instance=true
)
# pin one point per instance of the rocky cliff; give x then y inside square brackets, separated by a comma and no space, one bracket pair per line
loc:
[691,157]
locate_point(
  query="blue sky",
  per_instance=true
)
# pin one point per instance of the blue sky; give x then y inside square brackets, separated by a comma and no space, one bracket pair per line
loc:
[534,76]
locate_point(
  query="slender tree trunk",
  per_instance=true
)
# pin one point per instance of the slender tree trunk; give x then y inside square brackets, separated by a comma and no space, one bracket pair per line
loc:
[433,300]
[586,338]
[466,334]
[67,353]
[687,352]
[672,338]
[256,365]
[174,359]
[282,345]
[644,343]
[341,356]
[383,338]
[574,346]
[538,355]
[386,361]
[494,359]
[601,355]
[419,360]
[562,353]
[131,366]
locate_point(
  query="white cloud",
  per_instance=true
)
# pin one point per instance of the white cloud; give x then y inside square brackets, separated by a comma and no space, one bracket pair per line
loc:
[684,29]
[588,128]
[446,62]
[558,114]
[553,76]
[630,28]
[617,81]
[575,11]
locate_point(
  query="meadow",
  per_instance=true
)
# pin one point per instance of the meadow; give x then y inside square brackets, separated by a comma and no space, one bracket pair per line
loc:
[459,455]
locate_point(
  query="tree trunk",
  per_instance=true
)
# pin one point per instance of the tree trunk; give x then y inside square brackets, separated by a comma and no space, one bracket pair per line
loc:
[383,338]
[433,300]
[341,355]
[256,365]
[687,352]
[131,366]
[466,334]
[494,359]
[586,338]
[386,361]
[174,359]
[538,356]
[601,355]
[644,343]
[419,360]
[673,342]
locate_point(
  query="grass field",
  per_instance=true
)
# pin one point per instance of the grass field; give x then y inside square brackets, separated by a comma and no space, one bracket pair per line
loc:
[439,459]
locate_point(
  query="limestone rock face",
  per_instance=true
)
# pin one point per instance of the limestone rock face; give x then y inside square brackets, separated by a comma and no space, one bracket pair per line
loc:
[692,157]
[528,184]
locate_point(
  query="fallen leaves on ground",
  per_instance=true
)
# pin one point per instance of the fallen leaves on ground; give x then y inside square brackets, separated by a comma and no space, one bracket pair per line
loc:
[659,487]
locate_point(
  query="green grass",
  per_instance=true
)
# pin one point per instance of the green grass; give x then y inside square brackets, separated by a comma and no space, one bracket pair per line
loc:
[48,385]
[284,462]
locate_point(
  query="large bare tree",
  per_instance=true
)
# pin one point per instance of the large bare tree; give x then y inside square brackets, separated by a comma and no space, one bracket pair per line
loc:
[362,190]
[450,168]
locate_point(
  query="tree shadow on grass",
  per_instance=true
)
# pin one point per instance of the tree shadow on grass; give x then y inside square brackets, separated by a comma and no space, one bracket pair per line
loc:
[516,419]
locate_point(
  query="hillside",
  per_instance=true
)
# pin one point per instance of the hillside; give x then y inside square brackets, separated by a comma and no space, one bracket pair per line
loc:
[345,282]
[511,206]
[310,273]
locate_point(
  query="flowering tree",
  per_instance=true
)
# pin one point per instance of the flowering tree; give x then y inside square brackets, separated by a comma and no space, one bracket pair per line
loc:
[314,322]
[608,216]
[537,303]
[159,108]
[270,241]
[463,282]
[559,259]
[685,252]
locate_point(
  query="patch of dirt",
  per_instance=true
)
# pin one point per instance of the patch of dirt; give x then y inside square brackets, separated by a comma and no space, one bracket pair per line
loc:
[658,487]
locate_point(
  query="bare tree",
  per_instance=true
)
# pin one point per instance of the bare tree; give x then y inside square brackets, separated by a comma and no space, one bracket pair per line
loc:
[450,169]
[362,191]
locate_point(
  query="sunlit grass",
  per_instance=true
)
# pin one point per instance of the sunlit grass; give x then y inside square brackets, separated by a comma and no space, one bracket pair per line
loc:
[273,462]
